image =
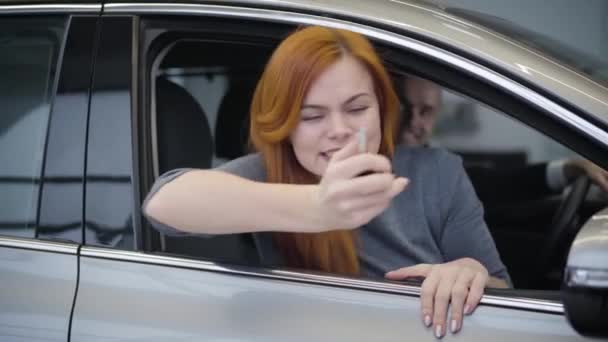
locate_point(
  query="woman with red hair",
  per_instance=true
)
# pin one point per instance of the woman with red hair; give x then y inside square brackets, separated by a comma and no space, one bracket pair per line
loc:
[319,195]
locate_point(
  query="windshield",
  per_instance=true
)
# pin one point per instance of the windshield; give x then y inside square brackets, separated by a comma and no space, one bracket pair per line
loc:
[585,64]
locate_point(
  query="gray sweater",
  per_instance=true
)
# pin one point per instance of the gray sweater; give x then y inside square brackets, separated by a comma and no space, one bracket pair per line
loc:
[438,217]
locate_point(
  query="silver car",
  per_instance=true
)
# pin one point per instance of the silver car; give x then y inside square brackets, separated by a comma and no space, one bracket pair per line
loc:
[99,98]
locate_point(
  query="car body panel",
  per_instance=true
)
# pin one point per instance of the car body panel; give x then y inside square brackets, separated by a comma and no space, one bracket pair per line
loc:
[39,283]
[136,296]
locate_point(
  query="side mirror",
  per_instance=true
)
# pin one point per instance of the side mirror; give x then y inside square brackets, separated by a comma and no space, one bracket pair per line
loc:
[585,286]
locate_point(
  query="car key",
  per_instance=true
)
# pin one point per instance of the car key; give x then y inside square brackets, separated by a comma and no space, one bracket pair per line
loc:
[362,141]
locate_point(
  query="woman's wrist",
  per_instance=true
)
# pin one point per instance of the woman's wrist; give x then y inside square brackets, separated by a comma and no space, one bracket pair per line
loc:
[312,218]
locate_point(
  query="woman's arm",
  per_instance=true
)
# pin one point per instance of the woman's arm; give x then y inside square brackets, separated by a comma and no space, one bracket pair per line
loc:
[216,202]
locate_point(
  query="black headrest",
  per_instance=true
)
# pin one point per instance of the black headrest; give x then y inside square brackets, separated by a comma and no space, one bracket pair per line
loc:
[184,135]
[232,126]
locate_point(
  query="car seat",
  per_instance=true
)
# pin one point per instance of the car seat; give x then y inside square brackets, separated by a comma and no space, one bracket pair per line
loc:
[185,141]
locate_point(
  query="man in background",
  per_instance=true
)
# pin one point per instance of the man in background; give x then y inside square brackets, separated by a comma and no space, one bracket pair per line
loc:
[422,101]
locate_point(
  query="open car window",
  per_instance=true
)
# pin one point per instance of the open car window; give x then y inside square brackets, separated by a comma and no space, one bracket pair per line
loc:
[201,90]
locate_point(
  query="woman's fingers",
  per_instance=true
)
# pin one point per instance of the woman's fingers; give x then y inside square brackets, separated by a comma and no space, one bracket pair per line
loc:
[427,295]
[373,184]
[460,292]
[420,270]
[456,286]
[476,289]
[347,151]
[385,192]
[442,300]
[355,165]
[352,202]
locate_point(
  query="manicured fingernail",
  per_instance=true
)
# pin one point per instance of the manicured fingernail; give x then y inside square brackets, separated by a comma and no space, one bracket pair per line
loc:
[454,326]
[467,309]
[438,331]
[427,321]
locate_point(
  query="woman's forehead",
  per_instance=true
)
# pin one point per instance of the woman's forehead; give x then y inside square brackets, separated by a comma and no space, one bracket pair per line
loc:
[339,82]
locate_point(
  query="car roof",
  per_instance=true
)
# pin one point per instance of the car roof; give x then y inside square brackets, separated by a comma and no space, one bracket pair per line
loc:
[436,24]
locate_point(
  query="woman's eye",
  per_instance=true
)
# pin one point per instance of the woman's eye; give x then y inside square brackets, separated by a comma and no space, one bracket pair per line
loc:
[311,117]
[357,109]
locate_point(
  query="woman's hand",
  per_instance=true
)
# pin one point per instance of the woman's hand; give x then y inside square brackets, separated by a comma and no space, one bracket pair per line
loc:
[460,282]
[347,200]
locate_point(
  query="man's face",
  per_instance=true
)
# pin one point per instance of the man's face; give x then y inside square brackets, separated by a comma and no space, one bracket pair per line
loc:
[424,99]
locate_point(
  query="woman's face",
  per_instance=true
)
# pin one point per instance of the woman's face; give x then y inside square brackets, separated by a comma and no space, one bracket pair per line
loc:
[339,102]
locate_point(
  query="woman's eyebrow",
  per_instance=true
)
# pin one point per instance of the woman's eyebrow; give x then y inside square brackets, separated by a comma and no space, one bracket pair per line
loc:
[312,106]
[354,97]
[349,100]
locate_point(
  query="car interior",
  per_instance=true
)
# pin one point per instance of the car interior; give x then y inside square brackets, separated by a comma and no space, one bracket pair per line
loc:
[200,114]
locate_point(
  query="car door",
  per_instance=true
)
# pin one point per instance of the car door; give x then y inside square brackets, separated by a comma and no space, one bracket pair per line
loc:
[46,65]
[138,284]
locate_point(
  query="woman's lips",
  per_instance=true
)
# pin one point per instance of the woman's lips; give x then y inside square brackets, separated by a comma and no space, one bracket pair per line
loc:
[329,153]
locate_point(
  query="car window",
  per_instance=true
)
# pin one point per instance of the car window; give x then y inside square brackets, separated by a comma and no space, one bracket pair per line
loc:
[29,52]
[483,135]
[201,108]
[215,91]
[516,170]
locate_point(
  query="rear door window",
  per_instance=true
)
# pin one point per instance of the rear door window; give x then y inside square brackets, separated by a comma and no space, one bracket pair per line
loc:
[29,54]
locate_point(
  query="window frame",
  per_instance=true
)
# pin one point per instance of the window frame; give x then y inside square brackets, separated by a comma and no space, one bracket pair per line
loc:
[75,82]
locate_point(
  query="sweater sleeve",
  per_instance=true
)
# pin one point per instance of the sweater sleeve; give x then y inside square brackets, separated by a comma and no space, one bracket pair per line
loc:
[250,167]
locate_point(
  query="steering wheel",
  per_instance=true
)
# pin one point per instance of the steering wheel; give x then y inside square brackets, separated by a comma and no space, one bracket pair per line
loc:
[564,223]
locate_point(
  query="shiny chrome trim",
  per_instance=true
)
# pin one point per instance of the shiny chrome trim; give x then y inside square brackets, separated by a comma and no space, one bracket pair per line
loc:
[587,278]
[589,250]
[50,8]
[39,245]
[317,279]
[506,84]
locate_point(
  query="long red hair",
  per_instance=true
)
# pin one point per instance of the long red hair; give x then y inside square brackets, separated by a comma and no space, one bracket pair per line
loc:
[275,113]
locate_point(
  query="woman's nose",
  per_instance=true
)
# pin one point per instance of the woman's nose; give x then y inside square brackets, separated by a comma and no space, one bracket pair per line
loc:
[339,127]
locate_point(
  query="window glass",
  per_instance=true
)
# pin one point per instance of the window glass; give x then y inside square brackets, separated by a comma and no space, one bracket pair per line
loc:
[29,50]
[469,127]
[517,173]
